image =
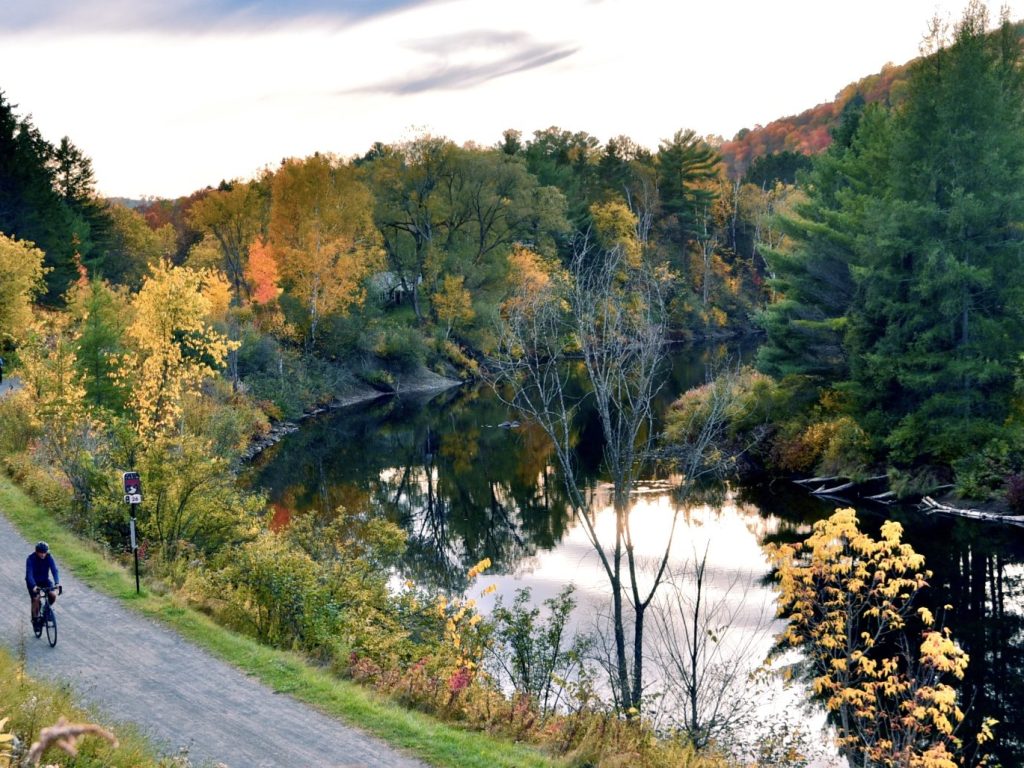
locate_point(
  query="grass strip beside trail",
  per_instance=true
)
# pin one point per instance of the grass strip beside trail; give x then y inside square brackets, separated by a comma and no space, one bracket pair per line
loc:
[30,704]
[437,743]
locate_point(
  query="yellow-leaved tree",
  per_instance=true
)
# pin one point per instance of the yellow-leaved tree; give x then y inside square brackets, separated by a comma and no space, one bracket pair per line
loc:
[175,344]
[884,670]
[453,304]
[21,280]
[616,227]
[323,238]
[69,437]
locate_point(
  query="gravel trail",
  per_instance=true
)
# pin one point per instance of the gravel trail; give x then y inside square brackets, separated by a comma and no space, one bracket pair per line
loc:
[132,669]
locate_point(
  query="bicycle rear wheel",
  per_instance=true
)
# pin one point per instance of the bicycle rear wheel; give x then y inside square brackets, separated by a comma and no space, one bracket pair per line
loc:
[51,626]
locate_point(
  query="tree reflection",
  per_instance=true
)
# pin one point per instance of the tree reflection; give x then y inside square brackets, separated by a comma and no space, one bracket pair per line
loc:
[461,487]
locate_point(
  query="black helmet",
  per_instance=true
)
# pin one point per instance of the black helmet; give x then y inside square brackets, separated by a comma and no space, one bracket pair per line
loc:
[42,546]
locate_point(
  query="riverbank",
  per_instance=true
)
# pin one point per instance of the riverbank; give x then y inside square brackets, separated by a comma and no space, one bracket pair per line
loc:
[418,381]
[130,681]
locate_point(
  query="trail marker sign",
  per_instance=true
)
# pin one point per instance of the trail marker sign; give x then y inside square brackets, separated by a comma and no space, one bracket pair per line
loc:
[132,488]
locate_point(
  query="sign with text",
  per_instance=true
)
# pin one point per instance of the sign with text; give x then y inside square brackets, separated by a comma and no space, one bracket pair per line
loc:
[132,488]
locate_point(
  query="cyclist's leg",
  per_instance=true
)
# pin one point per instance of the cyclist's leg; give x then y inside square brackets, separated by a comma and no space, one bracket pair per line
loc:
[34,597]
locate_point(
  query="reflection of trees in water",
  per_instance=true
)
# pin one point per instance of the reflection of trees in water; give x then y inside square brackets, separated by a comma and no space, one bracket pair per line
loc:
[977,569]
[462,488]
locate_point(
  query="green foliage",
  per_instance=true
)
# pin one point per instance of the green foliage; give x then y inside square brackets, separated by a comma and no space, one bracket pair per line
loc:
[984,474]
[100,313]
[227,421]
[41,205]
[903,285]
[16,431]
[538,658]
[765,171]
[685,163]
[319,585]
[192,502]
[401,348]
[40,484]
[287,379]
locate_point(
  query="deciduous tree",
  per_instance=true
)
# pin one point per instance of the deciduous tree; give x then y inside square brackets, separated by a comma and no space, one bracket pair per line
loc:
[235,216]
[878,662]
[175,345]
[323,238]
[21,280]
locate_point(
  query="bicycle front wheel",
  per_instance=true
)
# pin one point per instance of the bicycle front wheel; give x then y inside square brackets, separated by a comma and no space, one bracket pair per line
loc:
[51,627]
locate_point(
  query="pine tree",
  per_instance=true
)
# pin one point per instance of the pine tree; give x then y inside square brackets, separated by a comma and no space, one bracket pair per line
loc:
[814,281]
[938,331]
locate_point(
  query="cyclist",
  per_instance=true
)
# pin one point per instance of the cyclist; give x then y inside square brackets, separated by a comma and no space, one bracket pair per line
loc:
[38,567]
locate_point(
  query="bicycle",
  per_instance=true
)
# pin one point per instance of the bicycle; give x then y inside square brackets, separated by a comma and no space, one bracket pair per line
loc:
[46,618]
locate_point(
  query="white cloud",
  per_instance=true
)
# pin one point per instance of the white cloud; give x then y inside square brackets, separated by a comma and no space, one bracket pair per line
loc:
[168,112]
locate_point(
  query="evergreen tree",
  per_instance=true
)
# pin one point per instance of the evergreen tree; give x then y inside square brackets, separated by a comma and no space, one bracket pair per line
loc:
[906,286]
[814,281]
[938,331]
[102,319]
[686,164]
[33,209]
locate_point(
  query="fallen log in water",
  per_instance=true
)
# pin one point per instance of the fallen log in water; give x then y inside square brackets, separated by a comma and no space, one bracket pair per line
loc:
[823,491]
[813,480]
[928,504]
[887,497]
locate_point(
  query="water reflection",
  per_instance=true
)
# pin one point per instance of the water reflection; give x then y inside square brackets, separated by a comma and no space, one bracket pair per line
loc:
[440,466]
[461,487]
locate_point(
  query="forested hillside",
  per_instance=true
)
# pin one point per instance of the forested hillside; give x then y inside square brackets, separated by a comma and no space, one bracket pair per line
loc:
[894,340]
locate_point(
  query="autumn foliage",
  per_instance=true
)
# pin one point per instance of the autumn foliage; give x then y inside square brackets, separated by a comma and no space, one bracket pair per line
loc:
[262,273]
[810,131]
[852,609]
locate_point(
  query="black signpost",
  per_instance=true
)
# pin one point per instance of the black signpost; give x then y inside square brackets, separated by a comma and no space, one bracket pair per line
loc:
[133,497]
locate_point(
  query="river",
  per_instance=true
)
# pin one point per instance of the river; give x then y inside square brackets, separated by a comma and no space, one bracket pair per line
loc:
[465,488]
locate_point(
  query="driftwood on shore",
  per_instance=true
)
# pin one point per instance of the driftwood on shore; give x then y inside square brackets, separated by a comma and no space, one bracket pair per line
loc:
[928,504]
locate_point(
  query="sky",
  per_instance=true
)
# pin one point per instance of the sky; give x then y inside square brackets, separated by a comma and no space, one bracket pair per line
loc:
[168,97]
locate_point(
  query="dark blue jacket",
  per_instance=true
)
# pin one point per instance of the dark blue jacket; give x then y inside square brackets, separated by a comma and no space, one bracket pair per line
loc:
[37,570]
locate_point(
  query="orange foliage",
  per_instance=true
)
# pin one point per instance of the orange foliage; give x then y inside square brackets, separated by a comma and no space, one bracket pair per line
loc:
[261,271]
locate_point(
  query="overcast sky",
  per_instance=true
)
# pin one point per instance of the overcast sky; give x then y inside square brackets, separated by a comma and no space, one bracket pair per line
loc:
[167,97]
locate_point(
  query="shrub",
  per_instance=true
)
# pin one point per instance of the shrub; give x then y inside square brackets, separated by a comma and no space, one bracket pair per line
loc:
[400,348]
[17,428]
[983,475]
[836,446]
[382,381]
[41,484]
[1015,492]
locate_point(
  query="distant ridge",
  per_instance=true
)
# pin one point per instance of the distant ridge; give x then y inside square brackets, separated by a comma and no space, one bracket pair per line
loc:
[128,202]
[810,132]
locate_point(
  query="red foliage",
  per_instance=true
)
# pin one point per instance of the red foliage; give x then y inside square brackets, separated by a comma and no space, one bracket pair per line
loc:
[810,131]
